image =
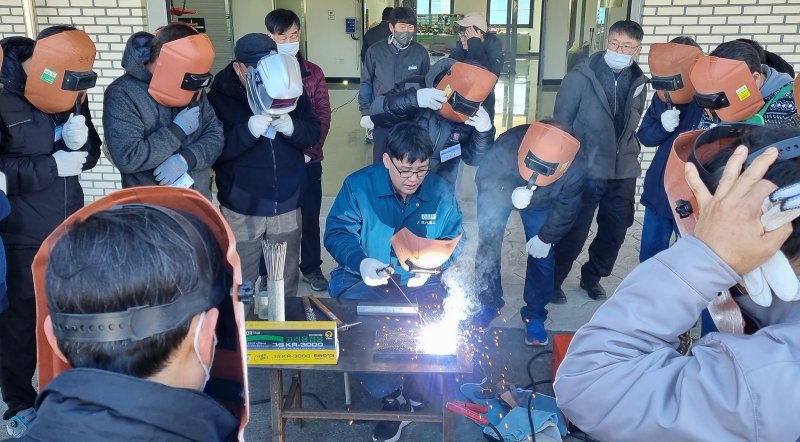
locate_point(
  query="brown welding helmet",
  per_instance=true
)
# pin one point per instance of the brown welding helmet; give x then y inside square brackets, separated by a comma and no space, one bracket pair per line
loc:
[60,69]
[423,254]
[670,66]
[466,86]
[726,88]
[182,69]
[795,88]
[545,153]
[228,383]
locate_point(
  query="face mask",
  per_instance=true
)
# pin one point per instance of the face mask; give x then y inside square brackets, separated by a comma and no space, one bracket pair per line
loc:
[403,39]
[289,48]
[617,61]
[206,368]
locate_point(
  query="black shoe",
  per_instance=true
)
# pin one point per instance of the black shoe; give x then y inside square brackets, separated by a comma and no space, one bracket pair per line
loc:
[594,290]
[389,431]
[316,280]
[559,297]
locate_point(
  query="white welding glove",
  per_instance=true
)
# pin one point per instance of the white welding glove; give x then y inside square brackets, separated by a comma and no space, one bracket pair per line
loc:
[538,248]
[257,124]
[3,183]
[69,163]
[373,272]
[418,280]
[480,121]
[75,132]
[284,125]
[521,197]
[366,122]
[431,98]
[670,119]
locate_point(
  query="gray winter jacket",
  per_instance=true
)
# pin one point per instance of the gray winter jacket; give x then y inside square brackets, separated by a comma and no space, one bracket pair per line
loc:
[386,65]
[623,380]
[140,133]
[582,105]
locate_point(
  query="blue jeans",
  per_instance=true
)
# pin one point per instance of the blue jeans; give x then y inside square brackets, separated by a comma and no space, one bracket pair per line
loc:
[539,272]
[656,234]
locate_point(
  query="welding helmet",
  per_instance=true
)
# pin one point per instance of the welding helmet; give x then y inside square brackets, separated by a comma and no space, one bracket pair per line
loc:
[228,382]
[60,70]
[795,88]
[545,154]
[670,66]
[466,86]
[274,84]
[182,70]
[726,89]
[422,255]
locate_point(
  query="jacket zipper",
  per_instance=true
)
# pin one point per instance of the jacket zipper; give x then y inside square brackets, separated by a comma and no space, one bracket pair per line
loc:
[53,120]
[274,177]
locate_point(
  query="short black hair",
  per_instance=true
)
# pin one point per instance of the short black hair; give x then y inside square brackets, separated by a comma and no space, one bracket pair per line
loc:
[123,258]
[386,12]
[280,20]
[403,15]
[739,50]
[627,27]
[53,30]
[762,54]
[409,142]
[686,40]
[171,32]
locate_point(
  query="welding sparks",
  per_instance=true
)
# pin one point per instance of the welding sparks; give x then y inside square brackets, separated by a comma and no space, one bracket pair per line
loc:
[442,337]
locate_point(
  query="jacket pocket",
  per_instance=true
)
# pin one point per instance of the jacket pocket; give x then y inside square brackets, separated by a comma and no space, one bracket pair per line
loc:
[18,123]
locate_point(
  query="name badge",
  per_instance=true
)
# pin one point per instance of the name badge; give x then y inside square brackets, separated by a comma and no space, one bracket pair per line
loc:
[450,153]
[58,132]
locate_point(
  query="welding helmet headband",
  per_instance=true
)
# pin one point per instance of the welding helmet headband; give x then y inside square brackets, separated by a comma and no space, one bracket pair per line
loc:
[60,70]
[465,85]
[182,70]
[274,84]
[422,255]
[671,65]
[545,154]
[726,88]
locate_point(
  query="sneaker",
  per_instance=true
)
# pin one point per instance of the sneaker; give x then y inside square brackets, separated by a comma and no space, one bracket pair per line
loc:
[18,425]
[559,297]
[389,431]
[316,280]
[535,334]
[594,290]
[483,320]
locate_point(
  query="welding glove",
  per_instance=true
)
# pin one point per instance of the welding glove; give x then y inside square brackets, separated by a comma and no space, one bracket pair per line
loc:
[3,183]
[366,122]
[69,163]
[373,272]
[75,132]
[538,248]
[188,120]
[521,197]
[431,98]
[418,280]
[171,169]
[283,125]
[480,121]
[670,119]
[258,124]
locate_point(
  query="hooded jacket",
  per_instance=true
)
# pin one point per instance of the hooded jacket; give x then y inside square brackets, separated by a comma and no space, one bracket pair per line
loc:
[40,199]
[385,65]
[85,404]
[583,107]
[139,132]
[259,176]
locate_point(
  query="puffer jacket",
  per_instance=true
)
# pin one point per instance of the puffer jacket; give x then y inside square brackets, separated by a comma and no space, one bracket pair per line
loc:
[317,89]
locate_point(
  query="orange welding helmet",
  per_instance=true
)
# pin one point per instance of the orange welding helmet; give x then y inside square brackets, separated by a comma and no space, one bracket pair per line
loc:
[182,70]
[60,70]
[726,88]
[466,86]
[545,154]
[228,382]
[670,66]
[795,88]
[418,254]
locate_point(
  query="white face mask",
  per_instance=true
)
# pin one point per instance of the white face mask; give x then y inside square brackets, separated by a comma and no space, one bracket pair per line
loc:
[206,368]
[617,61]
[289,48]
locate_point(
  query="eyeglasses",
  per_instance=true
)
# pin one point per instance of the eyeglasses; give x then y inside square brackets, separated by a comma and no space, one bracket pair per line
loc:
[407,173]
[286,37]
[626,48]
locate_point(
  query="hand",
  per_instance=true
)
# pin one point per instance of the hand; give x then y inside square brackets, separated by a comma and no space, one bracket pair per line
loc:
[75,132]
[521,197]
[470,32]
[480,121]
[431,98]
[171,169]
[283,125]
[257,124]
[670,119]
[188,120]
[69,163]
[730,220]
[538,248]
[3,183]
[373,272]
[418,280]
[366,122]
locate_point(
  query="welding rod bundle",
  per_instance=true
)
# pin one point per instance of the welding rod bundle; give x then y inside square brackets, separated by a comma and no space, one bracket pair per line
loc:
[275,259]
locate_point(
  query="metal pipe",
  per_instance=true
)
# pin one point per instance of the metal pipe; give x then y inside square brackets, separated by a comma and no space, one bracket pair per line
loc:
[29,16]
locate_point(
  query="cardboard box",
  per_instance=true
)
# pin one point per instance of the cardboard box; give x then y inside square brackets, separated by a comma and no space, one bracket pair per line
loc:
[292,342]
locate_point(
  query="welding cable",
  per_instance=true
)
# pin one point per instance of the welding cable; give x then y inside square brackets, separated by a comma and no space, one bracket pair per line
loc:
[496,431]
[530,417]
[534,383]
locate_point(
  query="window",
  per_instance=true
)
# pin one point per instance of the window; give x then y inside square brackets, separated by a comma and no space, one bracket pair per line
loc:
[498,13]
[434,6]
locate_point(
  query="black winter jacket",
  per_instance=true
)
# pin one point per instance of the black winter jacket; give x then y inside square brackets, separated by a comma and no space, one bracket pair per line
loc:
[499,177]
[259,176]
[487,53]
[40,199]
[385,65]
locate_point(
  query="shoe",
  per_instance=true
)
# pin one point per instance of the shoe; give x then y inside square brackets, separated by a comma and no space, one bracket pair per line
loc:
[558,297]
[535,334]
[389,431]
[483,320]
[18,425]
[594,290]
[316,280]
